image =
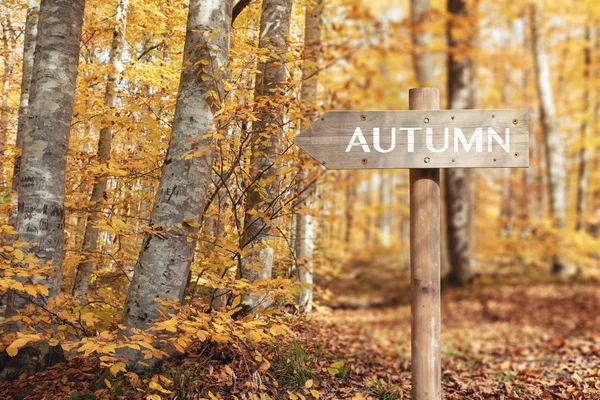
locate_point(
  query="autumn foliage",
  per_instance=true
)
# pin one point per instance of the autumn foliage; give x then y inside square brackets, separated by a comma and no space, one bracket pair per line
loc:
[527,325]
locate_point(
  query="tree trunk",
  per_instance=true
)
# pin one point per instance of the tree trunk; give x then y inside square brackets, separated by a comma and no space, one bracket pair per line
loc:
[164,262]
[90,238]
[305,223]
[31,30]
[555,162]
[266,148]
[458,182]
[385,214]
[582,176]
[41,187]
[9,43]
[421,38]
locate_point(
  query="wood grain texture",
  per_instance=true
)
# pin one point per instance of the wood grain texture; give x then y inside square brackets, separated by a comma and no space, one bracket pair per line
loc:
[425,263]
[328,137]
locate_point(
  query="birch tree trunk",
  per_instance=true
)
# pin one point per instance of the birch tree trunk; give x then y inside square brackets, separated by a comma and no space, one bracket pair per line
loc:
[305,223]
[41,187]
[30,37]
[90,238]
[555,161]
[266,148]
[459,186]
[582,175]
[421,38]
[164,261]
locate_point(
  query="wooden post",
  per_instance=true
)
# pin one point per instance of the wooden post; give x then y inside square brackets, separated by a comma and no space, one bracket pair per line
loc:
[425,266]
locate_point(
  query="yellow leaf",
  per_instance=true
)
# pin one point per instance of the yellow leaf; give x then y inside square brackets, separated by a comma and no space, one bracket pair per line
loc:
[108,385]
[315,393]
[30,290]
[41,289]
[14,347]
[19,254]
[276,330]
[157,386]
[308,384]
[153,397]
[265,365]
[236,301]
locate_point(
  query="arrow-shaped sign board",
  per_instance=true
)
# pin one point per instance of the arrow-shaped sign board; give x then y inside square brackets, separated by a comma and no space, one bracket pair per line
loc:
[419,139]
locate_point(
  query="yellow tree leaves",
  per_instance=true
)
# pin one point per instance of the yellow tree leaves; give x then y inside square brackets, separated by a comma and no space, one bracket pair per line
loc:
[13,349]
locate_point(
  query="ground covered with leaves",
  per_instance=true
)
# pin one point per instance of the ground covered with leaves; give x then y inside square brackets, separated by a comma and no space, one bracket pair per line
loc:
[519,339]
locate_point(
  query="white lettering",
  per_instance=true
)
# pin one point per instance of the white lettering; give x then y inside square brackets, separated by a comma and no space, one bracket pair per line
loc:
[358,136]
[376,141]
[429,140]
[505,144]
[477,138]
[411,138]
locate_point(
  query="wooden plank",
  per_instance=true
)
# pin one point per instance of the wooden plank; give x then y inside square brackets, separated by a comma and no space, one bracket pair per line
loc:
[335,142]
[425,263]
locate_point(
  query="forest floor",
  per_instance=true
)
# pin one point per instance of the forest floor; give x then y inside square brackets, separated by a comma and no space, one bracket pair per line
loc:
[511,339]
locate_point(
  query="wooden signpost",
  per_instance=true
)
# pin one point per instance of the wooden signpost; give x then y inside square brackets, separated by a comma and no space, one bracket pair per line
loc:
[423,139]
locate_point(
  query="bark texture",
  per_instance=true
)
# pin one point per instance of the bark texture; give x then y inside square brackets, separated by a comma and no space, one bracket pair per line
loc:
[582,173]
[421,38]
[304,243]
[41,190]
[458,181]
[90,237]
[266,148]
[555,160]
[29,41]
[164,262]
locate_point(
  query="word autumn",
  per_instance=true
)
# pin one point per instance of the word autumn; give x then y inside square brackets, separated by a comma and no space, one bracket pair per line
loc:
[457,142]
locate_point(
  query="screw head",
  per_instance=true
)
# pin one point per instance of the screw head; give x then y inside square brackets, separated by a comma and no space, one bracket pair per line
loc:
[426,120]
[427,159]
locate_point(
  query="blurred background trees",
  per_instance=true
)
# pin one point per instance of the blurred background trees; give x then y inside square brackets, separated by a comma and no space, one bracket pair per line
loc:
[176,178]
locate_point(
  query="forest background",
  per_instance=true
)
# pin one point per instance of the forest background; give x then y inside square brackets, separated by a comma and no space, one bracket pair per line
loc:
[162,237]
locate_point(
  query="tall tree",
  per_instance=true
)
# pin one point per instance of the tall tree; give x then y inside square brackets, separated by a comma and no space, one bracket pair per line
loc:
[555,160]
[29,41]
[266,148]
[90,238]
[305,223]
[41,188]
[582,173]
[164,261]
[459,185]
[420,11]
[8,38]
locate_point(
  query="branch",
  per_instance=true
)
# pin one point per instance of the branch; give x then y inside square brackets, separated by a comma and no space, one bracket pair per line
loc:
[238,8]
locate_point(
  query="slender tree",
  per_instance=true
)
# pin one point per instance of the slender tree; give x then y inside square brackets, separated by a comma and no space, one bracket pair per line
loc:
[555,160]
[266,148]
[582,173]
[420,11]
[41,187]
[164,261]
[305,223]
[29,41]
[459,185]
[90,238]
